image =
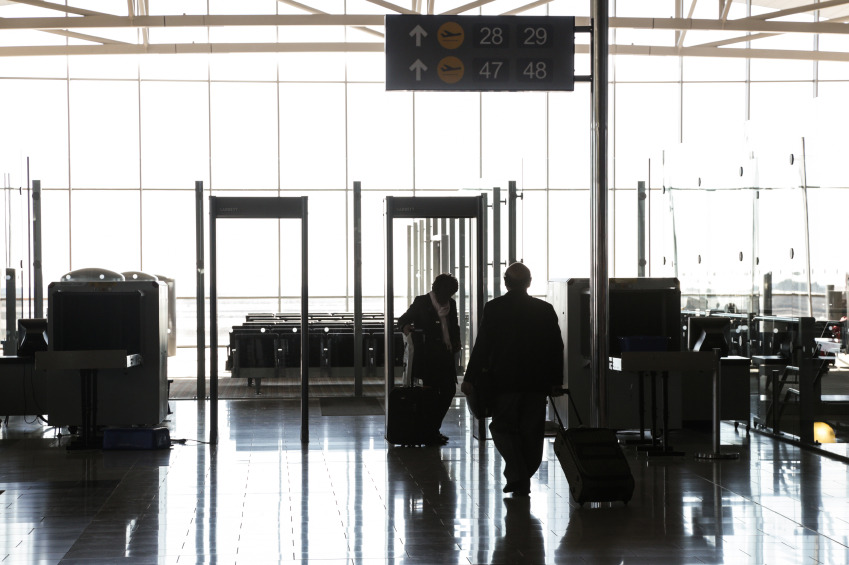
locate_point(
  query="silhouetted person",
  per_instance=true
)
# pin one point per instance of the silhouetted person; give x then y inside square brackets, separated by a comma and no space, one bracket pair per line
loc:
[435,313]
[519,344]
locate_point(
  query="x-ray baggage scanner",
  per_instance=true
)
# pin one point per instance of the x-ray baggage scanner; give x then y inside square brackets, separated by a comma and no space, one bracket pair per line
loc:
[438,207]
[257,207]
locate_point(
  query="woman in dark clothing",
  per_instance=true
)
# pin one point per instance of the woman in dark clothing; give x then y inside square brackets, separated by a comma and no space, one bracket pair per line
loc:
[435,313]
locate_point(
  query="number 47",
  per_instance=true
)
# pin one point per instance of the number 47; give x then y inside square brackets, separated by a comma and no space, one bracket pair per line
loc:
[485,70]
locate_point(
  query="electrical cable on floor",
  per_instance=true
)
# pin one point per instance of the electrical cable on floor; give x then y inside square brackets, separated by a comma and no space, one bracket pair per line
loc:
[183,441]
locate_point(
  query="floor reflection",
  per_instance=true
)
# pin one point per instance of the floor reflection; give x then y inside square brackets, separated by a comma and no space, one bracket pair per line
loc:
[260,496]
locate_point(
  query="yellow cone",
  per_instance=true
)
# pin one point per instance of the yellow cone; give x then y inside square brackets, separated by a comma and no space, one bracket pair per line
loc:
[823,433]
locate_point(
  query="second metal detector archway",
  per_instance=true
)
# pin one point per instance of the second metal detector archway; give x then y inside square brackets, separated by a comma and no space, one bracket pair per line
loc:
[257,207]
[423,207]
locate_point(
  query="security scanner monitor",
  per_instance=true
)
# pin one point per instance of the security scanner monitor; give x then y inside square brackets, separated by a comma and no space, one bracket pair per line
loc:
[708,333]
[98,321]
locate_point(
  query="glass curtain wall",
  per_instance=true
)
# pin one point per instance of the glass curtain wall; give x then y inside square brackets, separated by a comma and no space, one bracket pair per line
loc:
[755,229]
[118,142]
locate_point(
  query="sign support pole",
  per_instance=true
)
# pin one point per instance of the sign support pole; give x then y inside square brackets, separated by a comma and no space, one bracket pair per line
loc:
[598,203]
[38,278]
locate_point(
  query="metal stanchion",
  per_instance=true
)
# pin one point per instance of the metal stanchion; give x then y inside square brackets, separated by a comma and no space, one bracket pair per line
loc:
[776,400]
[717,414]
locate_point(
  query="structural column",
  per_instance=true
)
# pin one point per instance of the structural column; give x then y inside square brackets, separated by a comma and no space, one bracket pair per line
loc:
[641,229]
[305,330]
[389,307]
[598,203]
[200,294]
[213,316]
[358,288]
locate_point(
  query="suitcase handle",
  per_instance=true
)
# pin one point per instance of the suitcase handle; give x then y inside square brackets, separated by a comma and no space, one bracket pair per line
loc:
[575,408]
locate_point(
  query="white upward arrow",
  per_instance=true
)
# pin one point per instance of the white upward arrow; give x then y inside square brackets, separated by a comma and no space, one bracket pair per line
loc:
[418,66]
[419,33]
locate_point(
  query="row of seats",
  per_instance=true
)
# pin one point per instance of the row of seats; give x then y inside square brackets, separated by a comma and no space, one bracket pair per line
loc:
[273,342]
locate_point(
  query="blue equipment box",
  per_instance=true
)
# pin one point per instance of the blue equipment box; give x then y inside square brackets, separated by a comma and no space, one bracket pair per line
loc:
[136,438]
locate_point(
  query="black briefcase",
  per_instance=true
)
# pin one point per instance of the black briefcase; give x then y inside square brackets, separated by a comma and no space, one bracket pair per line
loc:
[593,462]
[481,401]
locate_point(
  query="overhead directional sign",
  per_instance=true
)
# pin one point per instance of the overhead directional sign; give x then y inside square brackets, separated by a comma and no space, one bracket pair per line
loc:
[480,53]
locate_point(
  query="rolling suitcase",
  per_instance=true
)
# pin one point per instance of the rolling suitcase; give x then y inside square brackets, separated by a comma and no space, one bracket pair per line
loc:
[410,408]
[593,462]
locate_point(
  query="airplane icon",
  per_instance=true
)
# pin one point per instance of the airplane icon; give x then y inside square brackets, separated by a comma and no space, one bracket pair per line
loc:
[446,34]
[447,69]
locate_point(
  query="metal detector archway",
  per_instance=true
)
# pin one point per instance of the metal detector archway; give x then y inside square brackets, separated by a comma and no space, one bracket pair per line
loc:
[253,207]
[434,207]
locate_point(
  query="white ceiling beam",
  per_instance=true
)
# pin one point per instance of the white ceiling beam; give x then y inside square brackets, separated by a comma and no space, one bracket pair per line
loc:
[683,33]
[752,37]
[93,22]
[733,53]
[527,7]
[92,38]
[643,50]
[430,7]
[300,6]
[69,10]
[171,48]
[466,7]
[316,11]
[734,40]
[61,8]
[725,10]
[797,10]
[391,6]
[756,26]
[90,22]
[145,12]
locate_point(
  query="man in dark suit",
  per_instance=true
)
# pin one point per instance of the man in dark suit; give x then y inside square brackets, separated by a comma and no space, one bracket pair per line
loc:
[520,347]
[435,313]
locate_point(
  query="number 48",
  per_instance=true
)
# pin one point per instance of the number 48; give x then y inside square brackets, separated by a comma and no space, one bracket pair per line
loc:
[536,70]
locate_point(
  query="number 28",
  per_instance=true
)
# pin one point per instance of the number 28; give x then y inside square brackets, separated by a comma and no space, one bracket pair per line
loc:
[494,36]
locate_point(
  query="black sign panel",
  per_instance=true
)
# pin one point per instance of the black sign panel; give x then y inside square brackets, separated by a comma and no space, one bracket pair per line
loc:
[480,53]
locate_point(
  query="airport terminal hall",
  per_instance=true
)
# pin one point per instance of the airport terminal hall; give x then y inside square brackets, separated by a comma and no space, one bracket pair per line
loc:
[424,282]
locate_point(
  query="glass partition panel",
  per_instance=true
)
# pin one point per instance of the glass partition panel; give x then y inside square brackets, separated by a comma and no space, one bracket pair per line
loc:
[781,242]
[735,226]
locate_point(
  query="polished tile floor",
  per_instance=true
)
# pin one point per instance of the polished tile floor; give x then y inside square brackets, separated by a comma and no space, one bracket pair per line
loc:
[259,497]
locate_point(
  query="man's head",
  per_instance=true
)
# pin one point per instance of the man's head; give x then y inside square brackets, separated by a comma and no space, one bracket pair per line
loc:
[445,286]
[517,277]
